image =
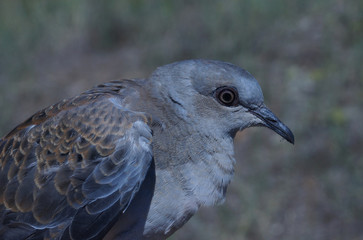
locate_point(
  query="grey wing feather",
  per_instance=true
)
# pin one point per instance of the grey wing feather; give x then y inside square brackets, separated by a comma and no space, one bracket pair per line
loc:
[83,156]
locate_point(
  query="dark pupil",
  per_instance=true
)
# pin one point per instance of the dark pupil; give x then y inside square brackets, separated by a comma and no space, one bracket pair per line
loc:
[227,97]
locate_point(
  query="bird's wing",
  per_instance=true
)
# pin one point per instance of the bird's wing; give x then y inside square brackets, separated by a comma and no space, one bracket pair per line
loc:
[76,163]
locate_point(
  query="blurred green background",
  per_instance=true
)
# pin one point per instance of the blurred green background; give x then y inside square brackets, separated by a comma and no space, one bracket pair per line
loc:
[306,54]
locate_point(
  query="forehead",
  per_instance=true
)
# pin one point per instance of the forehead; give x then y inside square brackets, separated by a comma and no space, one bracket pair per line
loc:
[225,68]
[209,75]
[212,73]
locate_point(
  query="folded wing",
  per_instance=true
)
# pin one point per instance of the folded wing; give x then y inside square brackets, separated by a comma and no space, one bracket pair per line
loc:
[74,165]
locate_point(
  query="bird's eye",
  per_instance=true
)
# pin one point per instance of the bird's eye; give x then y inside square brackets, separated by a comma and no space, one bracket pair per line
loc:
[227,96]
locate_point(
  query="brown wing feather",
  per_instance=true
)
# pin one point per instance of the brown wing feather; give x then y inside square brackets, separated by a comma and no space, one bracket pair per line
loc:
[49,163]
[39,117]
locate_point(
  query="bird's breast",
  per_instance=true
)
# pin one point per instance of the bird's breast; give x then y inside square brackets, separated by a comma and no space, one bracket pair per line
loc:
[183,185]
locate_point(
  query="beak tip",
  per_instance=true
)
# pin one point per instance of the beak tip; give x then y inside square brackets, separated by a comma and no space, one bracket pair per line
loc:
[291,139]
[289,136]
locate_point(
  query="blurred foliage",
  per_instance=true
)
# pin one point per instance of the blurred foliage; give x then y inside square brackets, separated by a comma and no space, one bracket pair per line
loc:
[307,55]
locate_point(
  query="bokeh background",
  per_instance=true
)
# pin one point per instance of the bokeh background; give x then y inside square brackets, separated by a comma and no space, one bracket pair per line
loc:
[306,54]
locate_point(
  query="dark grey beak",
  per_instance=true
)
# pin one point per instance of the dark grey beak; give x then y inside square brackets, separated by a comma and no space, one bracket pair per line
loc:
[271,121]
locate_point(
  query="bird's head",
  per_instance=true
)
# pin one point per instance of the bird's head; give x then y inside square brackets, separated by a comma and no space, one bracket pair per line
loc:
[218,96]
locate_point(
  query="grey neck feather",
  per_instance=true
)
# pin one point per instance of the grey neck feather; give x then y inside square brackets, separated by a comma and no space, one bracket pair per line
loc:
[202,169]
[203,161]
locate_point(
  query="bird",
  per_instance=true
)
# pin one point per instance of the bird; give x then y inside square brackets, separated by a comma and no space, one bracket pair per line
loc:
[131,158]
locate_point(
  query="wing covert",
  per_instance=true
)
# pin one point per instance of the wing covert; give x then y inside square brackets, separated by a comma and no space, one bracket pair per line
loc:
[80,157]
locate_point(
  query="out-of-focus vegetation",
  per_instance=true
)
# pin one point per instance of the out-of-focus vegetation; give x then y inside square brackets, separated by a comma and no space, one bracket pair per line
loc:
[307,55]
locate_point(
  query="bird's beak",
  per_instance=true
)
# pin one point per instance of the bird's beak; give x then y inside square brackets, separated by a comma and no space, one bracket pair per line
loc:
[271,121]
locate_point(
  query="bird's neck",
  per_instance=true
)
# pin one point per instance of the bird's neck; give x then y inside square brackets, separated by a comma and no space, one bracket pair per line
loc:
[202,162]
[193,169]
[209,172]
